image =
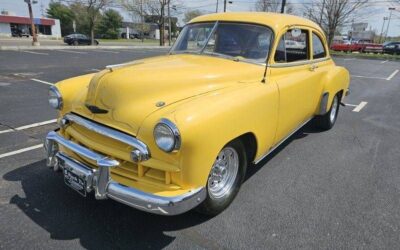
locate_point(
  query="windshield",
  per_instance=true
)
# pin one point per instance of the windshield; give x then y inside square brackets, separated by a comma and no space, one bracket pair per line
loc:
[240,41]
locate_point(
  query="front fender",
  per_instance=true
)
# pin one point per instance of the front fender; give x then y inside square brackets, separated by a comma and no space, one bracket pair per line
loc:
[74,92]
[209,122]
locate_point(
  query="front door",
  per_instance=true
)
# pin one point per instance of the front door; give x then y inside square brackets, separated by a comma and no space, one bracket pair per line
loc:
[294,73]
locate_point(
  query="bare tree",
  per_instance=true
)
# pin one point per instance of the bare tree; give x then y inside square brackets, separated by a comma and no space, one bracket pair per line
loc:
[152,9]
[331,14]
[93,8]
[268,5]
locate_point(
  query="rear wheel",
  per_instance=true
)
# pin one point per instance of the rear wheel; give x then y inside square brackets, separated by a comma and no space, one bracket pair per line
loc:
[327,121]
[76,43]
[225,178]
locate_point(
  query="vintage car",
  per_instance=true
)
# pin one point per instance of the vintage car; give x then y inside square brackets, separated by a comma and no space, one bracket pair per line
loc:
[174,132]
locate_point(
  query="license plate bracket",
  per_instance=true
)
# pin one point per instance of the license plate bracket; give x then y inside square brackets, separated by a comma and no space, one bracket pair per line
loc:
[75,182]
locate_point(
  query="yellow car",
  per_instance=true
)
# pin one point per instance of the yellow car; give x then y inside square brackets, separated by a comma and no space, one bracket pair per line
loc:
[171,133]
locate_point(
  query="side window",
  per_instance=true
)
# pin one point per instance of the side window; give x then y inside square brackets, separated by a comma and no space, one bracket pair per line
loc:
[318,47]
[293,46]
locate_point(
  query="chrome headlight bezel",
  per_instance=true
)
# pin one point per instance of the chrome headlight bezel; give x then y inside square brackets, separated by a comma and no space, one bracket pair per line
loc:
[54,94]
[173,135]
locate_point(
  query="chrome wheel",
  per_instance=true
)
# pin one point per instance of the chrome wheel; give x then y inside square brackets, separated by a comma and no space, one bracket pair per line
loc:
[334,108]
[223,173]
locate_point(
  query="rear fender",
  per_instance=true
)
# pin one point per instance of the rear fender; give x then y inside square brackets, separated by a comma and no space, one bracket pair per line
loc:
[336,80]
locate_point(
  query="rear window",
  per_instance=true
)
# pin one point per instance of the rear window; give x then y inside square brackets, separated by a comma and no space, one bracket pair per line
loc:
[293,47]
[318,47]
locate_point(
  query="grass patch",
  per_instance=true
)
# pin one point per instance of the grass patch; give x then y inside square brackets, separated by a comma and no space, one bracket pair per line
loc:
[366,55]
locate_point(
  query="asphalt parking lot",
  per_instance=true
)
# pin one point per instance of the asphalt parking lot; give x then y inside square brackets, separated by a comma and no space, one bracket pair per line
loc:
[320,190]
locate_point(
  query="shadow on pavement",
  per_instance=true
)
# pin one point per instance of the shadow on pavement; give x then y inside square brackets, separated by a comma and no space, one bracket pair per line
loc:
[102,224]
[97,224]
[307,129]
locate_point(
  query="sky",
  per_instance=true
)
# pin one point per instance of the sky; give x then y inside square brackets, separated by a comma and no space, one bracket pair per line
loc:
[374,14]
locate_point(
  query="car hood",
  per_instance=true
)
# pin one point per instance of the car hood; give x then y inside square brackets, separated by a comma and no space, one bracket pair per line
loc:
[129,93]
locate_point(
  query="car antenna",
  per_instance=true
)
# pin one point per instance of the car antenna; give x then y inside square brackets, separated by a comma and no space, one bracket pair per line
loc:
[265,73]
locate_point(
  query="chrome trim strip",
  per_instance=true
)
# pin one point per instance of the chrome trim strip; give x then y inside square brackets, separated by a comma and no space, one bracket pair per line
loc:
[100,159]
[100,181]
[114,134]
[112,67]
[298,63]
[282,141]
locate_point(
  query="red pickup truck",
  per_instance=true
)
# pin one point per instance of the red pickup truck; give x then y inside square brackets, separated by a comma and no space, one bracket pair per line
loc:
[360,47]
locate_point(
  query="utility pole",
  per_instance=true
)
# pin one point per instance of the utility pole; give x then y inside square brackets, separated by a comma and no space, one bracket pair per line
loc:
[34,36]
[383,25]
[322,13]
[216,9]
[169,24]
[283,6]
[390,17]
[142,21]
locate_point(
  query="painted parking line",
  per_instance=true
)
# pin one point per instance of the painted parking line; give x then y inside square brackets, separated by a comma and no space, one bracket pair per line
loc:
[36,53]
[38,124]
[379,78]
[357,107]
[71,51]
[19,151]
[92,70]
[392,75]
[41,81]
[360,106]
[349,59]
[369,77]
[107,51]
[384,61]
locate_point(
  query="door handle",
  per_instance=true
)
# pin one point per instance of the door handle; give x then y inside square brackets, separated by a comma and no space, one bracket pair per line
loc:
[313,67]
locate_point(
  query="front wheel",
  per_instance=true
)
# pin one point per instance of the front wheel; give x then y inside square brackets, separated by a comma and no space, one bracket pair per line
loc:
[327,121]
[225,178]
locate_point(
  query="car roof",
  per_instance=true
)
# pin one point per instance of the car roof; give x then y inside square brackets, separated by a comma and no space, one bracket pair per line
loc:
[274,20]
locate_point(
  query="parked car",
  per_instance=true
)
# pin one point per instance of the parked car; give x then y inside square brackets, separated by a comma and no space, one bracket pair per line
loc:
[347,46]
[372,48]
[175,132]
[77,39]
[20,33]
[132,35]
[392,48]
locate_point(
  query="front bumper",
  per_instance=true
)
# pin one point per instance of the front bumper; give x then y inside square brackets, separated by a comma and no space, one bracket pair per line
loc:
[99,180]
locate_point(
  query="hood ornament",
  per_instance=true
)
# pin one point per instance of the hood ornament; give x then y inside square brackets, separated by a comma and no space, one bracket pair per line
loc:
[116,66]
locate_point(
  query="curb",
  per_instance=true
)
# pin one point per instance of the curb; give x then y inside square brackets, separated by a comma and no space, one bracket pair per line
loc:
[17,48]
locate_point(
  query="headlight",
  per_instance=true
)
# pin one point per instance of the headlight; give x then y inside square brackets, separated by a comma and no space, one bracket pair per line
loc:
[55,99]
[167,136]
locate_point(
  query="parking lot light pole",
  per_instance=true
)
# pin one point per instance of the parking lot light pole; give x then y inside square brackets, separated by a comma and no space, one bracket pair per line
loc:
[390,17]
[225,3]
[383,26]
[34,36]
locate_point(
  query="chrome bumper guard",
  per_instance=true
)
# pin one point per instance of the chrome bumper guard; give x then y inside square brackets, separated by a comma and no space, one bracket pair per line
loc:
[99,180]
